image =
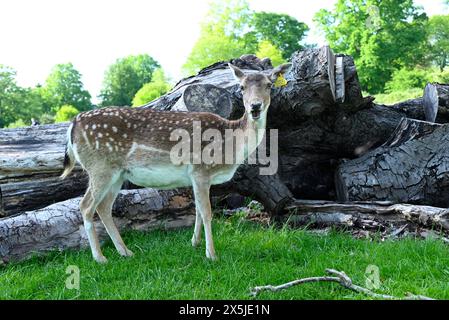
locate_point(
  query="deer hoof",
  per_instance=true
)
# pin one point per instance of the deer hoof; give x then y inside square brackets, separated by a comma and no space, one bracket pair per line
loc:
[101,259]
[212,257]
[126,253]
[195,242]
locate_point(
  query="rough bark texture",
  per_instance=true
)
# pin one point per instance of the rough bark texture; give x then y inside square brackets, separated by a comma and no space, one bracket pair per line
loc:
[319,125]
[411,167]
[59,226]
[377,216]
[31,160]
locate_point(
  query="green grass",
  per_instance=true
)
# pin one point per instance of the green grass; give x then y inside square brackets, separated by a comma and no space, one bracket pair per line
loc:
[398,96]
[165,266]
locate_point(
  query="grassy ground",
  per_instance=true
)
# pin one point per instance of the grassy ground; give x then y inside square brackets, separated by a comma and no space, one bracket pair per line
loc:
[398,96]
[165,266]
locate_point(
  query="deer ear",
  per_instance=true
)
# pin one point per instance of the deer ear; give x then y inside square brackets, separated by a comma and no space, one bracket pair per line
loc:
[283,68]
[238,74]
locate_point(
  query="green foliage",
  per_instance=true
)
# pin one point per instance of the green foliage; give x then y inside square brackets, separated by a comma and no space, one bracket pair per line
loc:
[152,90]
[125,77]
[17,124]
[381,35]
[165,266]
[231,29]
[404,79]
[283,31]
[268,50]
[64,87]
[16,102]
[221,35]
[46,118]
[399,96]
[66,113]
[439,40]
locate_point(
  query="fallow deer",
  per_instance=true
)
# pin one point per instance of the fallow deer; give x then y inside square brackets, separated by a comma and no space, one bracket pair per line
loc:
[117,144]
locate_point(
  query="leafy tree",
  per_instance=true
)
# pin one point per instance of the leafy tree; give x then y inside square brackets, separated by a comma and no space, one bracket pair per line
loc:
[16,102]
[381,35]
[46,118]
[439,40]
[66,113]
[17,124]
[152,90]
[221,36]
[64,86]
[268,50]
[283,31]
[231,29]
[125,77]
[405,79]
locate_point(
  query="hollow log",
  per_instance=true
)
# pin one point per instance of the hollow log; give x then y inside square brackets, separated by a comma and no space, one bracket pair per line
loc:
[411,167]
[59,226]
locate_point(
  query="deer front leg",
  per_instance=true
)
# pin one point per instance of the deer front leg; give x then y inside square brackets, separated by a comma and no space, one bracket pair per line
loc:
[201,187]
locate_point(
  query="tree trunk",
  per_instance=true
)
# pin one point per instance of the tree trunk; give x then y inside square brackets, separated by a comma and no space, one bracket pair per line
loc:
[411,167]
[59,226]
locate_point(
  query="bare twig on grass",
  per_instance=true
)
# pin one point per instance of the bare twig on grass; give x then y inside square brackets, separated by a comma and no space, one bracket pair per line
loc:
[338,277]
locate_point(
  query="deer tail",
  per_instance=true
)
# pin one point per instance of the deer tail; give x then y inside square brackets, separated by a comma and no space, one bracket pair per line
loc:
[69,157]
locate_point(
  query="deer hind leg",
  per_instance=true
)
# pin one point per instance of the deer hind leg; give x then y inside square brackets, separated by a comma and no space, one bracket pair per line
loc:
[196,238]
[104,210]
[201,187]
[98,188]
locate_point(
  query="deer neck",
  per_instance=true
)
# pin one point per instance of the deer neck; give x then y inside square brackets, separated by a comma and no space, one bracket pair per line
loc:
[250,127]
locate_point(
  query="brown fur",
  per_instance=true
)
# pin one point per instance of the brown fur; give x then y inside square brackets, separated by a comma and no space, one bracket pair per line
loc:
[115,144]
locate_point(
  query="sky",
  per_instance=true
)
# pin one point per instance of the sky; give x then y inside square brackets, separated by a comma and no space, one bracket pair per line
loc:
[92,34]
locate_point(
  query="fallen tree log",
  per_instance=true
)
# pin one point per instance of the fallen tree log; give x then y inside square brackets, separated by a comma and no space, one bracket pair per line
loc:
[319,124]
[59,226]
[411,167]
[374,216]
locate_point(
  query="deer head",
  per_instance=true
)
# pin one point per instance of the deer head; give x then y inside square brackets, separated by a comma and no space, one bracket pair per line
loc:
[256,89]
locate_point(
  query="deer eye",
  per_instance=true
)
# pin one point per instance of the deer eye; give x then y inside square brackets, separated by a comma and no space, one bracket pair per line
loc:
[269,86]
[242,88]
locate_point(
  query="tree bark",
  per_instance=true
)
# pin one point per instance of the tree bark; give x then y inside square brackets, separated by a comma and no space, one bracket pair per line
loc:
[59,226]
[321,115]
[372,216]
[411,167]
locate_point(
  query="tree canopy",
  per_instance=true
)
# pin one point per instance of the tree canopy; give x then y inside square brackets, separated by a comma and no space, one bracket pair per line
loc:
[65,87]
[232,29]
[281,30]
[439,40]
[152,90]
[381,35]
[125,77]
[66,113]
[16,103]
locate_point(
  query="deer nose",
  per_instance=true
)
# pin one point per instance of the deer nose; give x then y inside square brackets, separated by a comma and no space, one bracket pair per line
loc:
[256,106]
